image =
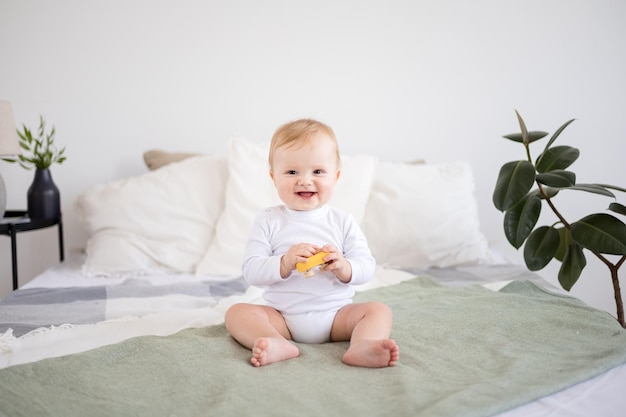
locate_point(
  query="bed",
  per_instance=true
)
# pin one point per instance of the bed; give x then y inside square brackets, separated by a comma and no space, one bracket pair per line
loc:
[134,325]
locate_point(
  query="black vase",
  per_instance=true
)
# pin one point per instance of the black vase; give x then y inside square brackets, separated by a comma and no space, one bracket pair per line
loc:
[44,199]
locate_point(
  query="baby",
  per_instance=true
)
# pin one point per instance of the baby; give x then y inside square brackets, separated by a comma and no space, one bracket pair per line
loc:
[305,167]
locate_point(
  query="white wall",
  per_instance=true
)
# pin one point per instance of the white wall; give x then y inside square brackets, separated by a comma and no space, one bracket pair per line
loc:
[398,79]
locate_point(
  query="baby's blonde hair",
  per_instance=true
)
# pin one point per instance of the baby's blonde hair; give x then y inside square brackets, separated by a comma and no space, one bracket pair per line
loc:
[302,129]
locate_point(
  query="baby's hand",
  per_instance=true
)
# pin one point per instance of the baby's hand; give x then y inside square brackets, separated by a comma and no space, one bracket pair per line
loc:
[297,253]
[336,263]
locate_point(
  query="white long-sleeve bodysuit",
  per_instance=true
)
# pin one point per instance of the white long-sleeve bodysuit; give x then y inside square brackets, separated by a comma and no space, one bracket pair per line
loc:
[276,229]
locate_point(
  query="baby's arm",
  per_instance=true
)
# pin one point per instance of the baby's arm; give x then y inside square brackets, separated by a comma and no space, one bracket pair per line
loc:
[337,264]
[297,253]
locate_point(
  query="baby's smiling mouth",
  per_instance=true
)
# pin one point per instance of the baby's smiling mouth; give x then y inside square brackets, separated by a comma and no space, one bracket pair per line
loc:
[306,194]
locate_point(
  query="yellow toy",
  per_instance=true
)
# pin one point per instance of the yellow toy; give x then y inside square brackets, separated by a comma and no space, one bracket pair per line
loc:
[312,262]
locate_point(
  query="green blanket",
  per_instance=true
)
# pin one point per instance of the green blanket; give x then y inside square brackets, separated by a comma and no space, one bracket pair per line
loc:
[464,352]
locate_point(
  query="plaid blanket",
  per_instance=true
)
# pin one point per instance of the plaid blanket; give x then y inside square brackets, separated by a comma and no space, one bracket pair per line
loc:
[30,309]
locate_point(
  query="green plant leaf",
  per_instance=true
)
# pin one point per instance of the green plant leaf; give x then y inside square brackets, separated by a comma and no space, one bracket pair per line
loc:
[618,208]
[532,136]
[558,132]
[592,188]
[558,157]
[557,178]
[525,136]
[612,187]
[550,192]
[514,181]
[540,248]
[565,239]
[520,220]
[601,233]
[572,266]
[522,127]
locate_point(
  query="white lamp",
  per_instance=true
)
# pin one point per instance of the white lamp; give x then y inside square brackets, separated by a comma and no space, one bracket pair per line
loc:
[9,144]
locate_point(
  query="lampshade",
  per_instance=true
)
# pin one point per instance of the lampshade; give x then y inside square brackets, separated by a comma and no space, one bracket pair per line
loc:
[9,144]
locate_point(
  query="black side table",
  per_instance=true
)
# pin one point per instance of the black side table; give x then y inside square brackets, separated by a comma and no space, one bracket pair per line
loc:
[15,221]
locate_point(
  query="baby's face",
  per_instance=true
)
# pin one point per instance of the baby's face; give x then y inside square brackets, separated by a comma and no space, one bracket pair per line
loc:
[305,173]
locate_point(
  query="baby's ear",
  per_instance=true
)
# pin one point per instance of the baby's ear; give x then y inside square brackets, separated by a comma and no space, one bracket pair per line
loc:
[337,175]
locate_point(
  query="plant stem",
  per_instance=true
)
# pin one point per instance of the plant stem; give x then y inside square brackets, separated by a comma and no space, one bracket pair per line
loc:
[616,287]
[527,147]
[612,268]
[554,210]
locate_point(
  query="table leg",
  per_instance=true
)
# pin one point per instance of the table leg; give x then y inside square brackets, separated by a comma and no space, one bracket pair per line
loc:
[13,234]
[61,250]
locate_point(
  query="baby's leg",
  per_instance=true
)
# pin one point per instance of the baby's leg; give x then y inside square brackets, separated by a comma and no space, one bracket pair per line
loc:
[263,330]
[367,326]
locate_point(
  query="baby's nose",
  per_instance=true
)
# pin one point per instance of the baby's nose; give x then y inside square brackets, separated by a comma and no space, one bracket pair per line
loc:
[304,180]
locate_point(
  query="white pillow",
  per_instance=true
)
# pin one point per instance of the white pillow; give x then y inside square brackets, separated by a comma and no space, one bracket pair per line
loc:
[423,216]
[250,189]
[161,221]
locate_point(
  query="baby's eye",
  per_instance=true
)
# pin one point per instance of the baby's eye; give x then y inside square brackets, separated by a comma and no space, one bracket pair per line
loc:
[318,171]
[291,172]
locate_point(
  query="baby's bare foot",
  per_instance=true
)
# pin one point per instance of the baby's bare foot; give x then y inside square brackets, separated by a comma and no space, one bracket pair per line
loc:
[372,353]
[268,350]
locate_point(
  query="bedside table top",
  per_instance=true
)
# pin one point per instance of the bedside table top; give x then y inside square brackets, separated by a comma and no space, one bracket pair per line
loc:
[19,221]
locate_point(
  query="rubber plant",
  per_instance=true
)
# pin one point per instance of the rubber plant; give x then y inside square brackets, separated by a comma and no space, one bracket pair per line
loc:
[524,186]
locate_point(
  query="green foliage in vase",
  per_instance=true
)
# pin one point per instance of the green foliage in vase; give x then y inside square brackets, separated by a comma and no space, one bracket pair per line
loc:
[524,186]
[41,151]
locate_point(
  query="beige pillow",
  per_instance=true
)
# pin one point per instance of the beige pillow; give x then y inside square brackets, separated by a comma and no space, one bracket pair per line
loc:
[156,158]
